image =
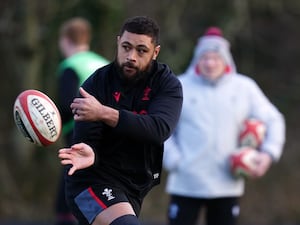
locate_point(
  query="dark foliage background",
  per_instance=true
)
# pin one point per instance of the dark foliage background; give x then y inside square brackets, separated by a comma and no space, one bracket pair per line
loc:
[265,43]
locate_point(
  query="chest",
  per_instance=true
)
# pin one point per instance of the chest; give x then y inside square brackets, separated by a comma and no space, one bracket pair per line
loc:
[212,102]
[135,98]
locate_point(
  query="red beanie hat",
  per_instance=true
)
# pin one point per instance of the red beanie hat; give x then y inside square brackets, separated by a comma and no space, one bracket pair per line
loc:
[213,40]
[213,31]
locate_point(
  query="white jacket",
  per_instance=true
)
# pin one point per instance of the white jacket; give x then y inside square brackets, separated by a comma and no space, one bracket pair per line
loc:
[196,155]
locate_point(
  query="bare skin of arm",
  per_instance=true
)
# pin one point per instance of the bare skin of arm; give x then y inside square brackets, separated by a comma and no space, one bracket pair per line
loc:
[89,108]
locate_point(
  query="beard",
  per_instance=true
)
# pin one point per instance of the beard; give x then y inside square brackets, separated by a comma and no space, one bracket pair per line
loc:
[138,75]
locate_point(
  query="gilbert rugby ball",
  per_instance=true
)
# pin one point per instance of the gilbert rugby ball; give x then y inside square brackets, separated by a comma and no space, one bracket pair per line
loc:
[243,162]
[252,133]
[37,117]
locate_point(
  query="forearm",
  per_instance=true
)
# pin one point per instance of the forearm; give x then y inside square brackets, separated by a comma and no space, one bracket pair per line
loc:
[110,116]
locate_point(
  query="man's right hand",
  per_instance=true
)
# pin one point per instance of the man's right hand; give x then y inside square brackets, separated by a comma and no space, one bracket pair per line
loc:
[80,156]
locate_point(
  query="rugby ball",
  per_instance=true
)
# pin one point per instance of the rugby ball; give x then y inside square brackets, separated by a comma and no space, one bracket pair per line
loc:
[252,133]
[37,117]
[243,162]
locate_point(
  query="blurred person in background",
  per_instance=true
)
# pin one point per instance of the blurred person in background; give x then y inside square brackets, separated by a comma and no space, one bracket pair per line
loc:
[217,101]
[123,115]
[79,63]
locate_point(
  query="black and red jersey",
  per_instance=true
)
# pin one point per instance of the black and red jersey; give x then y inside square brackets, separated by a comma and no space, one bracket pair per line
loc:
[130,154]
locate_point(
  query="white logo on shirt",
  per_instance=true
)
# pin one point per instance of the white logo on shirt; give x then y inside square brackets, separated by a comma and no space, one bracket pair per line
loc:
[156,175]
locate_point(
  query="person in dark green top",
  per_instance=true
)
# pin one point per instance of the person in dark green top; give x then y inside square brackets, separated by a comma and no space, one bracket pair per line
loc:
[79,63]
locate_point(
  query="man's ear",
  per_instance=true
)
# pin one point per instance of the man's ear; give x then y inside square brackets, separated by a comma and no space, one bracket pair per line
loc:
[156,52]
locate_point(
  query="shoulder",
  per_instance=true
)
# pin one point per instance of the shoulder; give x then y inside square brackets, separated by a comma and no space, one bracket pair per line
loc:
[243,81]
[68,73]
[98,79]
[98,58]
[242,78]
[164,75]
[186,77]
[101,73]
[245,85]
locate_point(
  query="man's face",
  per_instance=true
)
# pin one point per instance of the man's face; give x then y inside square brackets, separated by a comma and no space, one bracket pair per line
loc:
[211,65]
[135,53]
[63,45]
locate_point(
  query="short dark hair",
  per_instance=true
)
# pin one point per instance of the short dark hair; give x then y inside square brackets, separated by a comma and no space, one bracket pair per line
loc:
[142,25]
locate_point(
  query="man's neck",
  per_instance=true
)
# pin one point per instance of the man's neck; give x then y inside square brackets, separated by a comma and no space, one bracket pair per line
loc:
[77,49]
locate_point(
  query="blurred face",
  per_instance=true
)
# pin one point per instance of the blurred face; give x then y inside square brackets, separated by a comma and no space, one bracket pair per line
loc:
[211,65]
[63,43]
[65,46]
[135,53]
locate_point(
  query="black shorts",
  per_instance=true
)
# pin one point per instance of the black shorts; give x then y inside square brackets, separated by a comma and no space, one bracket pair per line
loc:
[186,210]
[91,201]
